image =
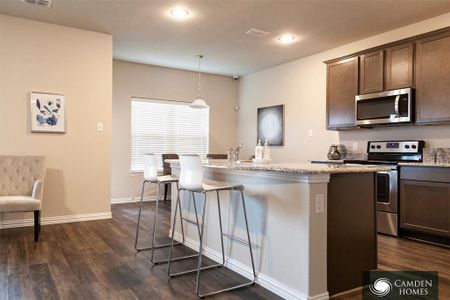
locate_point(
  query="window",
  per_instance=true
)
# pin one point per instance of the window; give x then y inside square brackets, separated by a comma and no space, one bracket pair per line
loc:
[166,127]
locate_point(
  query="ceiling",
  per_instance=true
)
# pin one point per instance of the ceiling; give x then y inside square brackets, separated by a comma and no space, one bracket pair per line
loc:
[143,31]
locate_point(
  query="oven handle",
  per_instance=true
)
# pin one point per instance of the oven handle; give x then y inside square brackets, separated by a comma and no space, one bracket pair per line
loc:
[397,112]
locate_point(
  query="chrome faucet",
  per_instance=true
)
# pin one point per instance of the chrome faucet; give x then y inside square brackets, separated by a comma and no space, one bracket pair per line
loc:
[236,151]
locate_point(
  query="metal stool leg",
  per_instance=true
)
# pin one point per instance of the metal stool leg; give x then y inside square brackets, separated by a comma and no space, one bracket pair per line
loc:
[155,222]
[170,258]
[200,248]
[196,214]
[251,257]
[139,217]
[221,229]
[155,225]
[248,236]
[178,204]
[181,217]
[191,271]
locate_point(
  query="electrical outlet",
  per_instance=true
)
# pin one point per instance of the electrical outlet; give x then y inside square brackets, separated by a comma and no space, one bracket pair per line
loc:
[319,206]
[310,132]
[355,146]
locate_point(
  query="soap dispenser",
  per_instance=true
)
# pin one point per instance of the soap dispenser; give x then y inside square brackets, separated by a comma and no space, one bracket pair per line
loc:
[266,151]
[259,151]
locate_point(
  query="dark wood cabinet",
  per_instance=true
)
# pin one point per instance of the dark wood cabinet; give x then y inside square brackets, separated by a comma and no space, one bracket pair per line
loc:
[421,62]
[399,65]
[342,87]
[371,72]
[433,79]
[425,200]
[425,206]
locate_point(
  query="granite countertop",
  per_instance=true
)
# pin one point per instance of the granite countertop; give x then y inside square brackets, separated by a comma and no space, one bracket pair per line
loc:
[290,168]
[424,164]
[404,164]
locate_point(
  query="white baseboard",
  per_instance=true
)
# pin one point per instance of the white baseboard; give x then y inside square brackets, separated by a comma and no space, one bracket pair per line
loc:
[55,220]
[131,199]
[263,280]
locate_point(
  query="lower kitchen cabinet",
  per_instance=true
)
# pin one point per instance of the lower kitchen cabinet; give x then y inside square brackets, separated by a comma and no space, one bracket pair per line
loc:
[425,201]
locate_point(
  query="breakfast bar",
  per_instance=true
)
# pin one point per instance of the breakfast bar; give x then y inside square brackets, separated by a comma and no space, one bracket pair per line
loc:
[315,220]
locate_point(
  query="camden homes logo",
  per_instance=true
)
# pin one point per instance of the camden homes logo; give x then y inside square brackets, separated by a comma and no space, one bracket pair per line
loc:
[405,285]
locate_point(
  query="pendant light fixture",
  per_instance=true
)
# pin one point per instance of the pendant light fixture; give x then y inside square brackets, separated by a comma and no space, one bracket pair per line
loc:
[199,102]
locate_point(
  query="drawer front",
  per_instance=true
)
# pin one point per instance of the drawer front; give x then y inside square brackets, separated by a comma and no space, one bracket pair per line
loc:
[432,174]
[425,206]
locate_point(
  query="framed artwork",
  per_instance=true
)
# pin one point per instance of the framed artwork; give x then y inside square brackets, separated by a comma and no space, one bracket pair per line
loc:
[271,125]
[47,113]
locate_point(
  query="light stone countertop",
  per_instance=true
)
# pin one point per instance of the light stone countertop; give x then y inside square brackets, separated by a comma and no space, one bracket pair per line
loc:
[401,164]
[290,168]
[424,164]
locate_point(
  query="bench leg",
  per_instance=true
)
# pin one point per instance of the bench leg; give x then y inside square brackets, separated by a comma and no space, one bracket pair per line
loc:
[37,224]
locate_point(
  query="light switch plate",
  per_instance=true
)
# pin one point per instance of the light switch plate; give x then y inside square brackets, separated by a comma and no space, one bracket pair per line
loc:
[310,132]
[100,127]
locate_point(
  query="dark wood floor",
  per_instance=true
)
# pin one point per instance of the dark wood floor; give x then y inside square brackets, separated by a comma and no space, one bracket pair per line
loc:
[97,260]
[408,255]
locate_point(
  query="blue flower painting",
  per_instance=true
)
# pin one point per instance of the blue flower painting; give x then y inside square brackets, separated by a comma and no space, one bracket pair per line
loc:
[47,113]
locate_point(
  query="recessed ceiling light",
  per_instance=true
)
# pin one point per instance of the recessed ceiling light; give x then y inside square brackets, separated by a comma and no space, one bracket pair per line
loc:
[179,13]
[286,38]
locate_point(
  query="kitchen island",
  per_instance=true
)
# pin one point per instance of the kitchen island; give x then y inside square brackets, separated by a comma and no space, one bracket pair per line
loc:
[312,226]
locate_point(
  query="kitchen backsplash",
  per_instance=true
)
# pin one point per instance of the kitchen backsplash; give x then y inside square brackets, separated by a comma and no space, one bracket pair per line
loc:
[429,155]
[442,155]
[438,155]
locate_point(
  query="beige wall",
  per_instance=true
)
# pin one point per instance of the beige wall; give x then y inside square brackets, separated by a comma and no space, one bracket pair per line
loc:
[301,86]
[37,56]
[131,79]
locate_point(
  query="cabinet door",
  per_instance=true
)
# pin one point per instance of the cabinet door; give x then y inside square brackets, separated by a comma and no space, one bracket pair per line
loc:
[399,66]
[342,87]
[371,72]
[425,206]
[433,79]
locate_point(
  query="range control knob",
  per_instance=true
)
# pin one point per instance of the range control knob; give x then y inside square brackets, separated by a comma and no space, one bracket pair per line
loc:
[414,146]
[406,146]
[372,147]
[378,147]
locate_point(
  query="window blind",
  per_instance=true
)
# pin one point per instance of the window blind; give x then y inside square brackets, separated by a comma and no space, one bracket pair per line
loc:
[166,127]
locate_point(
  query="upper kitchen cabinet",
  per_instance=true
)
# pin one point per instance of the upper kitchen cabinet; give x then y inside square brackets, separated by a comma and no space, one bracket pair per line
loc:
[371,72]
[420,62]
[342,87]
[433,79]
[399,67]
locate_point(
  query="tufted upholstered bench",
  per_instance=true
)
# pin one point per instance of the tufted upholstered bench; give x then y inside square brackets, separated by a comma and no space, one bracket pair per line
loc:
[21,186]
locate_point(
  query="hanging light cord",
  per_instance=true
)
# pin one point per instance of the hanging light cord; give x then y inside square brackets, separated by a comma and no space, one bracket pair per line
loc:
[199,57]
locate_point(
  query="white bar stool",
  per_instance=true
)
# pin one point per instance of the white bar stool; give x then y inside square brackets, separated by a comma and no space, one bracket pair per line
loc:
[151,176]
[191,180]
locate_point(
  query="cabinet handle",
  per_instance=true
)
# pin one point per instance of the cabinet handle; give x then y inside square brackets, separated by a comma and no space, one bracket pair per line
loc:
[397,112]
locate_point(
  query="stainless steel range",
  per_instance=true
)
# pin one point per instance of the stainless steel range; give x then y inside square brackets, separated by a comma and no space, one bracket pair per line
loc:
[389,153]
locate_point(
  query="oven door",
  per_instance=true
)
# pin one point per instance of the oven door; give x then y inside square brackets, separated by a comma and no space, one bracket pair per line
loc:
[387,202]
[387,191]
[384,108]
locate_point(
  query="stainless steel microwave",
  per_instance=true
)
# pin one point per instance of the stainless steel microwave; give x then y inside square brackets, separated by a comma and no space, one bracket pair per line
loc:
[384,108]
